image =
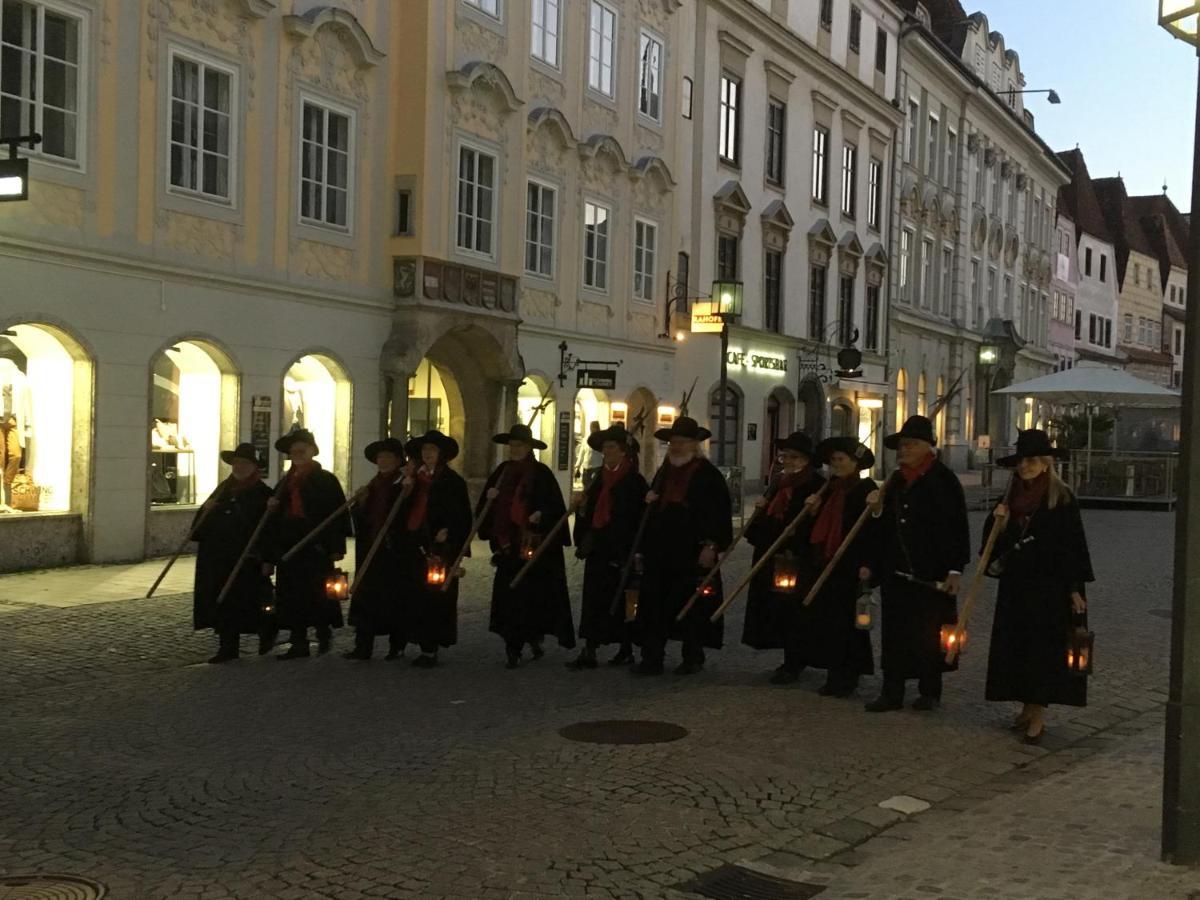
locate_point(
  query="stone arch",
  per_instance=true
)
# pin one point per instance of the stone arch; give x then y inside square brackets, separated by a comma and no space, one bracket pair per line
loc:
[345,23]
[490,76]
[549,117]
[655,167]
[598,144]
[812,404]
[331,417]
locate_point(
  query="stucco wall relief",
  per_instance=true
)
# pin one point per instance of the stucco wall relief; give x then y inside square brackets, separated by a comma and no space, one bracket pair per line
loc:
[197,235]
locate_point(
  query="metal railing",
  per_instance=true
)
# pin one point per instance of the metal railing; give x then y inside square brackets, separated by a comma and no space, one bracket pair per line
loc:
[1117,476]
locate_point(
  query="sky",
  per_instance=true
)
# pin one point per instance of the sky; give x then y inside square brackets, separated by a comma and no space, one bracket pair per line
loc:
[1128,88]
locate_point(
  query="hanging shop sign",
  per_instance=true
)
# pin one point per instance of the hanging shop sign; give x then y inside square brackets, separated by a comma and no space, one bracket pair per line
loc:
[260,429]
[757,361]
[604,379]
[704,319]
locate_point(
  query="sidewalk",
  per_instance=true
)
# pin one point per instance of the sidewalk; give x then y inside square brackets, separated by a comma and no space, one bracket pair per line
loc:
[1081,823]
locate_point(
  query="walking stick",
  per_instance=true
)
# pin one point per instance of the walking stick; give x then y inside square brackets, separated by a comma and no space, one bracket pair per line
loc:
[619,594]
[453,571]
[766,557]
[328,520]
[361,571]
[838,554]
[985,559]
[712,573]
[191,536]
[537,554]
[245,553]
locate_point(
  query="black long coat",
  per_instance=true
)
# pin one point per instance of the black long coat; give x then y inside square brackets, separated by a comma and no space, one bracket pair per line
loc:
[430,615]
[770,616]
[375,606]
[825,636]
[605,551]
[541,603]
[1027,655]
[923,531]
[675,535]
[222,537]
[300,583]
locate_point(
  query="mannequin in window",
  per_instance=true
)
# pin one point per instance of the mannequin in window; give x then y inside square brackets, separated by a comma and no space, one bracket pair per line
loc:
[293,405]
[16,425]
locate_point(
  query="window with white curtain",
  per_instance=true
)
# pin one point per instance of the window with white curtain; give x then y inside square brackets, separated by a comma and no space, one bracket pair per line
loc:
[650,63]
[476,200]
[540,213]
[602,39]
[325,165]
[201,135]
[645,256]
[595,245]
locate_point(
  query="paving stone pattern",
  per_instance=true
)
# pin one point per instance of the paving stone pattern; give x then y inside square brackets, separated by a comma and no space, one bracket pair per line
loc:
[129,761]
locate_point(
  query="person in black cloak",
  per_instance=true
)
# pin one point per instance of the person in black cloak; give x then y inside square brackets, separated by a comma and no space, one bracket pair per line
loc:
[526,503]
[609,512]
[1043,564]
[924,545]
[226,521]
[690,524]
[434,524]
[303,498]
[769,623]
[375,606]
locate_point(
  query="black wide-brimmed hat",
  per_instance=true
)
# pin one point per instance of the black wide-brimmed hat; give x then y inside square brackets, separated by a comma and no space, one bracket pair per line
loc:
[519,432]
[617,433]
[388,445]
[684,427]
[242,451]
[917,427]
[797,442]
[447,446]
[1033,442]
[284,444]
[851,446]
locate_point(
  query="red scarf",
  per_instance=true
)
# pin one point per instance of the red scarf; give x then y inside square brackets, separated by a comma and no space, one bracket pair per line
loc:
[778,507]
[1027,496]
[609,478]
[676,481]
[827,530]
[912,473]
[295,479]
[378,503]
[510,511]
[420,498]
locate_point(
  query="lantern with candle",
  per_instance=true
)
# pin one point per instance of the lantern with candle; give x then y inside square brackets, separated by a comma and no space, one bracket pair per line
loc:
[786,575]
[862,607]
[1080,643]
[953,639]
[435,569]
[337,585]
[529,544]
[707,588]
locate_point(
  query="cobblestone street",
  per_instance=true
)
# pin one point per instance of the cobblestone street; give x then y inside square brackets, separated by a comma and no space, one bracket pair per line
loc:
[129,761]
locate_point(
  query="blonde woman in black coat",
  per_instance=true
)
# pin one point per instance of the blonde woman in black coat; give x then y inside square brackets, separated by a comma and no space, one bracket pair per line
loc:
[1043,564]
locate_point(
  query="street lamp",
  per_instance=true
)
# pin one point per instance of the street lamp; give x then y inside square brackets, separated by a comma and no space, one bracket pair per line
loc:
[1181,776]
[989,362]
[14,172]
[726,303]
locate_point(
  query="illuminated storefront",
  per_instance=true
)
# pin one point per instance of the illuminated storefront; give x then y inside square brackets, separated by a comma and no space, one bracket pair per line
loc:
[317,395]
[185,424]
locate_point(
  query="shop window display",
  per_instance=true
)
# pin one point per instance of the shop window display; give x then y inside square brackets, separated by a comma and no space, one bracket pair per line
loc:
[591,414]
[185,425]
[529,397]
[37,400]
[310,401]
[428,400]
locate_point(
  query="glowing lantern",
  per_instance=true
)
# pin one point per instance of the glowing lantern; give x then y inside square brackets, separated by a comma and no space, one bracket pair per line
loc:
[952,640]
[529,544]
[268,605]
[337,585]
[435,569]
[707,588]
[862,608]
[1080,643]
[787,573]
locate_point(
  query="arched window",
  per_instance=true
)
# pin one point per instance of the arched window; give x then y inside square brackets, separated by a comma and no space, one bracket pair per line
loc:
[317,395]
[529,398]
[591,406]
[45,405]
[901,398]
[922,385]
[186,406]
[726,453]
[939,423]
[841,421]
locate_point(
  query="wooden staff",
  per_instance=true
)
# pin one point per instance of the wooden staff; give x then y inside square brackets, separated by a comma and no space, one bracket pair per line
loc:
[453,571]
[998,524]
[191,536]
[838,554]
[766,557]
[537,554]
[245,553]
[712,573]
[327,521]
[361,571]
[619,595]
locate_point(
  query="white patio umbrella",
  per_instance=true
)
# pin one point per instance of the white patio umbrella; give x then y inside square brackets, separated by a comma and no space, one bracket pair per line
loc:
[1095,384]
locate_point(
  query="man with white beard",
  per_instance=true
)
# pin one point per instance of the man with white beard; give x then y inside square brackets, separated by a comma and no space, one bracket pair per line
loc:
[690,525]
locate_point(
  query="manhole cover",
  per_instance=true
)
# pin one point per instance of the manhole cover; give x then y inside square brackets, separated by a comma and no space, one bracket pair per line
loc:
[621,731]
[1161,613]
[50,887]
[736,883]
